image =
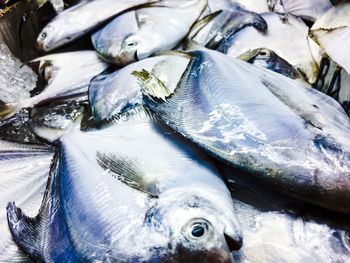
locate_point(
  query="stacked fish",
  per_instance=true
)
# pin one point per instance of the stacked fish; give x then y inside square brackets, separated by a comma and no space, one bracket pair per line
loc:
[191,133]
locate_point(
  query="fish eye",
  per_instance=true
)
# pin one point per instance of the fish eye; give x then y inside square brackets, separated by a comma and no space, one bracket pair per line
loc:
[198,229]
[43,35]
[264,53]
[131,44]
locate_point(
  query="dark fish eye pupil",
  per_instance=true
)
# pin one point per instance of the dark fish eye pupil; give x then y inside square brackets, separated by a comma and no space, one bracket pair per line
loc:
[198,231]
[43,35]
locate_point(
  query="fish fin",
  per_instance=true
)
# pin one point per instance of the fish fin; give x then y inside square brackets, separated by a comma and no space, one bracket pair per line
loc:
[151,85]
[127,171]
[38,236]
[24,230]
[24,171]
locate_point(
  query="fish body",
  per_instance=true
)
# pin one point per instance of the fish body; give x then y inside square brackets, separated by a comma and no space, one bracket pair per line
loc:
[292,46]
[117,197]
[140,33]
[80,19]
[331,31]
[293,137]
[276,236]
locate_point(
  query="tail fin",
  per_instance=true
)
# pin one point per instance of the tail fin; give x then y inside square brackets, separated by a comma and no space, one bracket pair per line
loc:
[24,230]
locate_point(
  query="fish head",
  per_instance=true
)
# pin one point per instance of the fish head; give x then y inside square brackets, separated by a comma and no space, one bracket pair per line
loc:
[198,230]
[130,49]
[51,37]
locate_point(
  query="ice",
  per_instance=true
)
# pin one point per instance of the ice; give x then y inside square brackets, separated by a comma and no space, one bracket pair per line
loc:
[16,79]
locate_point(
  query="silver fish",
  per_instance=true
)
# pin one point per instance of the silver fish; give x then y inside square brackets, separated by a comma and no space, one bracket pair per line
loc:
[110,94]
[80,19]
[140,33]
[292,46]
[280,237]
[67,74]
[293,137]
[117,197]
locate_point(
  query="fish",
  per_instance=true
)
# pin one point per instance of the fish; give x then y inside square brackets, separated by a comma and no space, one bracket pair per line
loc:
[331,32]
[310,10]
[24,172]
[116,197]
[225,20]
[80,19]
[276,236]
[295,48]
[292,137]
[67,74]
[268,59]
[143,32]
[114,92]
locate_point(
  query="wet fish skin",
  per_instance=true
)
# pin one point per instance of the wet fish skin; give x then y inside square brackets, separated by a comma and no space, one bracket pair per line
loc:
[270,236]
[140,33]
[130,202]
[80,19]
[295,138]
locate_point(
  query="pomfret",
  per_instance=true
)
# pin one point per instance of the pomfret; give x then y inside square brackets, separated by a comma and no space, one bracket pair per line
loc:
[117,197]
[282,237]
[140,33]
[79,20]
[278,129]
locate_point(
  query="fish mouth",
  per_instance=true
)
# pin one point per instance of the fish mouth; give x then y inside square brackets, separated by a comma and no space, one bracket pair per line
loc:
[136,57]
[39,45]
[233,243]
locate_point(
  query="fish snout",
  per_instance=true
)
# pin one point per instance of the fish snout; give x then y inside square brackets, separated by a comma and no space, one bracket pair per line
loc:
[39,45]
[234,242]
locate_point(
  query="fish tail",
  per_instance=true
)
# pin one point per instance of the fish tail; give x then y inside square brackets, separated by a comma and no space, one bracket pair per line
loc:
[23,229]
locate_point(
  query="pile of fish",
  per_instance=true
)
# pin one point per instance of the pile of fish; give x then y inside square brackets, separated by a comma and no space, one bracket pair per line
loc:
[191,131]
